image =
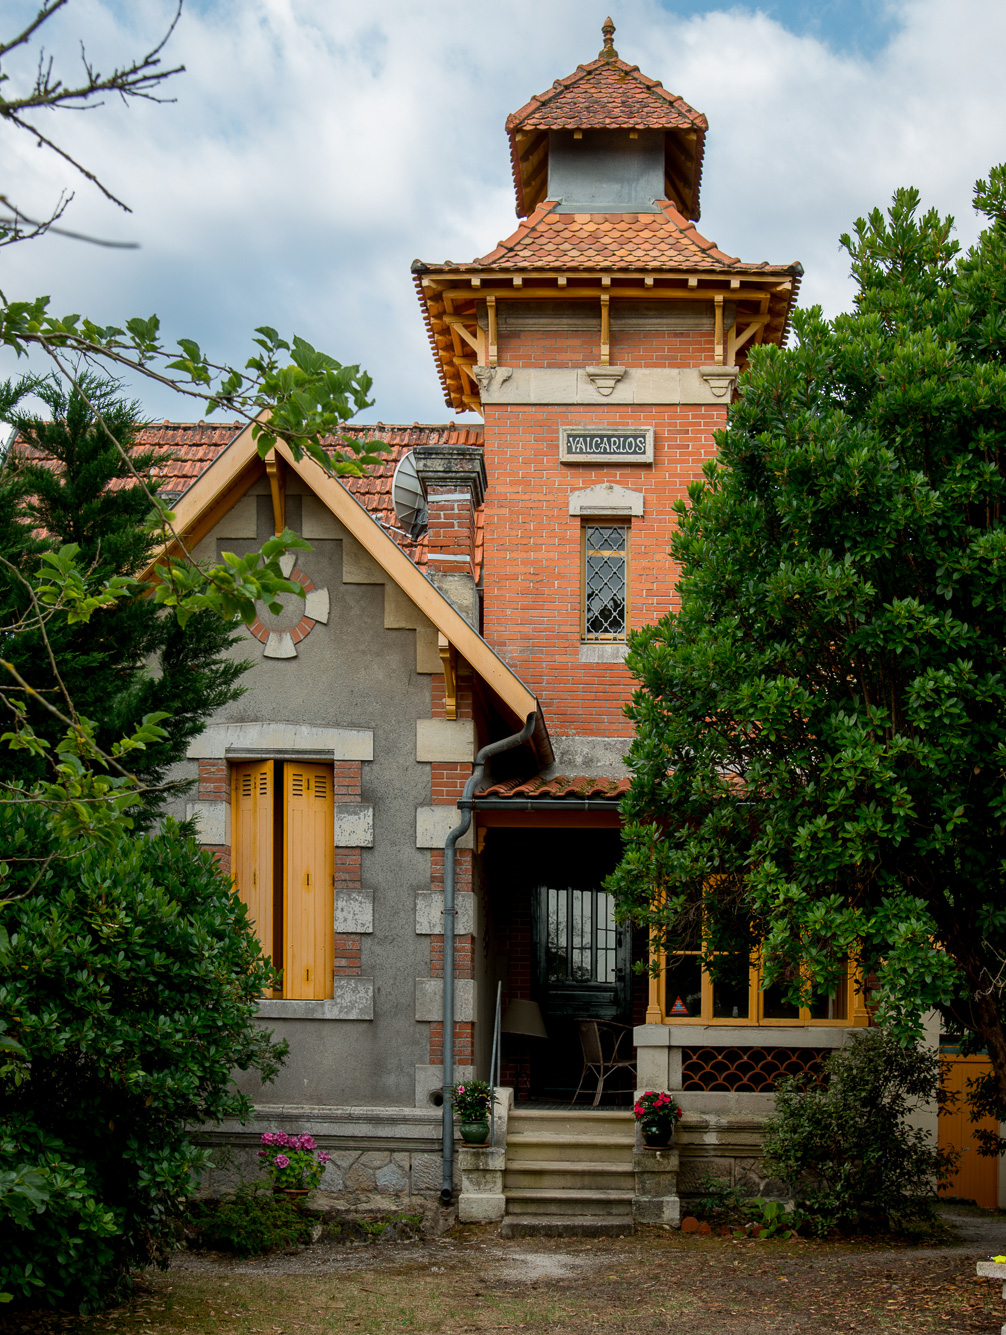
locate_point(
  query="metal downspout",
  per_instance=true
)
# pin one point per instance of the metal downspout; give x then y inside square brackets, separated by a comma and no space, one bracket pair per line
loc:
[487,752]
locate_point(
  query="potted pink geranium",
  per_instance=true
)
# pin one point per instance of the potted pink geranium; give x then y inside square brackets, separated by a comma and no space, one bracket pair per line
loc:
[292,1164]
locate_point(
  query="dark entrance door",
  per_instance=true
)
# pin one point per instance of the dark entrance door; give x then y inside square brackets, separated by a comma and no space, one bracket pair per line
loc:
[581,957]
[583,960]
[563,949]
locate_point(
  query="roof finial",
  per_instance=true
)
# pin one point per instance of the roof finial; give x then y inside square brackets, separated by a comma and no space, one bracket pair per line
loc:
[607,51]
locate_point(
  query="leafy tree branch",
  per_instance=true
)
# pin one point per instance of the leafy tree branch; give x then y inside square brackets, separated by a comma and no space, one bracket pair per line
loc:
[140,78]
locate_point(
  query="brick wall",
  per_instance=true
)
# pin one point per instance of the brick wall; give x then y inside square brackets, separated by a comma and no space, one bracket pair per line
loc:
[555,348]
[451,528]
[532,545]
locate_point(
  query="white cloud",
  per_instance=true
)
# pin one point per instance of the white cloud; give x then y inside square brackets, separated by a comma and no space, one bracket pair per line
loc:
[317,147]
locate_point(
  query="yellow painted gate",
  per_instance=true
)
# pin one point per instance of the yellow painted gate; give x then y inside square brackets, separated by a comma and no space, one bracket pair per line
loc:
[977,1177]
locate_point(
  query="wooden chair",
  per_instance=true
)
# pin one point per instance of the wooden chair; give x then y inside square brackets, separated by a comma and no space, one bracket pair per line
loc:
[595,1036]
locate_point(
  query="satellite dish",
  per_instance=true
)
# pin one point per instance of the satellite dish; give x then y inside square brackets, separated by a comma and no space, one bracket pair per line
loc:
[408,496]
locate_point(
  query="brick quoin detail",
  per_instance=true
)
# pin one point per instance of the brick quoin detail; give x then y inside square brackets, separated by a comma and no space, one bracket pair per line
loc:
[447,781]
[348,782]
[464,957]
[221,855]
[347,953]
[214,781]
[347,869]
[464,1043]
[462,870]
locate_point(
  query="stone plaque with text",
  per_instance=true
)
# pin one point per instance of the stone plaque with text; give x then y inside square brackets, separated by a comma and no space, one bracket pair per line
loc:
[605,445]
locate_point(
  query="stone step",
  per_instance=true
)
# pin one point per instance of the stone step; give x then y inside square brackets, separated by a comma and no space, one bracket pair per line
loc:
[565,1226]
[579,1175]
[579,1123]
[528,1145]
[563,1201]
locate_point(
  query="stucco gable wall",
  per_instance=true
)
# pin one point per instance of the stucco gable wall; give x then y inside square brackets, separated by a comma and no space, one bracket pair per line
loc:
[367,671]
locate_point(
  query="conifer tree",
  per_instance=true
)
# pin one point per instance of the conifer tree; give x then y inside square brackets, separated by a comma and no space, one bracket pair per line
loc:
[66,481]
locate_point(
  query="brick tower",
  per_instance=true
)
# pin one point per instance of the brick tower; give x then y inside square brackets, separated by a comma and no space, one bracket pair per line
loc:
[601,342]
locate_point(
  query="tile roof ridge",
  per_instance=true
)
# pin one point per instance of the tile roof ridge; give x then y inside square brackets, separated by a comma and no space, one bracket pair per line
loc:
[409,426]
[154,424]
[541,100]
[568,81]
[692,233]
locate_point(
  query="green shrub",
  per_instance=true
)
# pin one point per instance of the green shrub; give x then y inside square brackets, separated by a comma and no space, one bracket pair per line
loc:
[719,1202]
[250,1222]
[60,1217]
[129,978]
[757,1216]
[846,1148]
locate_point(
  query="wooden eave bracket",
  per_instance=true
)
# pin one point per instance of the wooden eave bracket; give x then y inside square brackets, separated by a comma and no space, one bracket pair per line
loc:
[448,657]
[739,337]
[493,336]
[276,473]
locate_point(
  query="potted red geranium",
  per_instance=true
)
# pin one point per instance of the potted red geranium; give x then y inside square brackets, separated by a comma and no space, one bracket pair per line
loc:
[657,1115]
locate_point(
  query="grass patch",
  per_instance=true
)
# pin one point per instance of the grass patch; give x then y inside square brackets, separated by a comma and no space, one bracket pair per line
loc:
[476,1284]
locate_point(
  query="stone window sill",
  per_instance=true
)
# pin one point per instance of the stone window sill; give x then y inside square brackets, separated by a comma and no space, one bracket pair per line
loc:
[603,653]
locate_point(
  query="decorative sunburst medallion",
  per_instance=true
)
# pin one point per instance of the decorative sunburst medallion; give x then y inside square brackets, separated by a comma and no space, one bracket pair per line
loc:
[283,631]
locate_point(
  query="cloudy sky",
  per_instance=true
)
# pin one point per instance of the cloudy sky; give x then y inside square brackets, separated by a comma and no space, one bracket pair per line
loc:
[315,147]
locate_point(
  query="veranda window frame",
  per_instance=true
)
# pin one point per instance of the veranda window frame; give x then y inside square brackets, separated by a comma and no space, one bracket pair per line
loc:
[856,1013]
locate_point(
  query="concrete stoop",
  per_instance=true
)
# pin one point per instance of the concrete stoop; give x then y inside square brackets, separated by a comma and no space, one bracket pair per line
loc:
[563,1226]
[568,1173]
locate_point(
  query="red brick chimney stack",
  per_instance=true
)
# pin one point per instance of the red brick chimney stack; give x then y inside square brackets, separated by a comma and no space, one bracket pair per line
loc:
[454,480]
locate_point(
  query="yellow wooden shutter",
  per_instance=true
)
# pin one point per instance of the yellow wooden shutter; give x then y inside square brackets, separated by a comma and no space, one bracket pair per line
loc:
[252,806]
[309,863]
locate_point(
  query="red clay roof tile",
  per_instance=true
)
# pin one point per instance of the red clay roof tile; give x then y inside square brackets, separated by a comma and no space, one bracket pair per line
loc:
[659,241]
[606,94]
[190,448]
[580,788]
[373,490]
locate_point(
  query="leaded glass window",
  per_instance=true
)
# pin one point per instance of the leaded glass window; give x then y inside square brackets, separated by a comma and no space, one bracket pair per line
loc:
[581,939]
[605,581]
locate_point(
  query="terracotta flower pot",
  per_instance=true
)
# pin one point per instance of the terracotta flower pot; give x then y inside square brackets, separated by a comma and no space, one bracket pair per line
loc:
[295,1195]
